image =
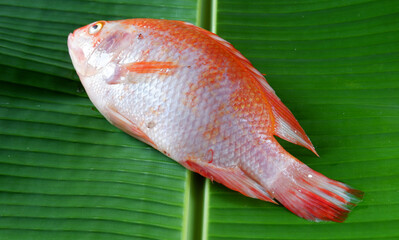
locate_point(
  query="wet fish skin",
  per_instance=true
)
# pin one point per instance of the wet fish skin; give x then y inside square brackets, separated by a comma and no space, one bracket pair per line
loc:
[194,97]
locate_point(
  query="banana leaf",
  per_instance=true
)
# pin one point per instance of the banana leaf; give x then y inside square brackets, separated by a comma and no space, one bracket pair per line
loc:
[66,173]
[335,65]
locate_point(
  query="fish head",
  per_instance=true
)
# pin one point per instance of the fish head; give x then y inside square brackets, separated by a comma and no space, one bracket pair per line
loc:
[96,50]
[96,45]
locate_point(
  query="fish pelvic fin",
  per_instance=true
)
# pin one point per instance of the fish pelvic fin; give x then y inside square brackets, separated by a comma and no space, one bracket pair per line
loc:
[233,178]
[123,123]
[313,196]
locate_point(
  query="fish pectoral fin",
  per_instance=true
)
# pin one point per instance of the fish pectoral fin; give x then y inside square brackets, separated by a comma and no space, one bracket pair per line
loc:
[158,67]
[123,123]
[233,178]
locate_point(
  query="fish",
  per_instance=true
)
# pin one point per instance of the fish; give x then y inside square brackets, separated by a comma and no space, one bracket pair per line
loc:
[191,95]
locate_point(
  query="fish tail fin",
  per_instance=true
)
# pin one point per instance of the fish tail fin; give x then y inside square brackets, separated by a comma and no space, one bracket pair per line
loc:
[312,195]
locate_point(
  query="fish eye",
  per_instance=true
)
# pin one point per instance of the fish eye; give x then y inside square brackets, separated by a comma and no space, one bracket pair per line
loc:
[96,27]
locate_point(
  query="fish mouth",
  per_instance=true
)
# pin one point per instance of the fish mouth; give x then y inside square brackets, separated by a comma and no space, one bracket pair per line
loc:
[76,54]
[70,37]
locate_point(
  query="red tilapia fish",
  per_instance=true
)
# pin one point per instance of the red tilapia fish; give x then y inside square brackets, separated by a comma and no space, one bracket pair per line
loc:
[194,97]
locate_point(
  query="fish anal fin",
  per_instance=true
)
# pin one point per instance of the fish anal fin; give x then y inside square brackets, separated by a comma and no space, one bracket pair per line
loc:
[233,178]
[163,68]
[124,124]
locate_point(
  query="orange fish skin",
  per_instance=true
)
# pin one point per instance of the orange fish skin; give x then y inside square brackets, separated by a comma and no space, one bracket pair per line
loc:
[194,97]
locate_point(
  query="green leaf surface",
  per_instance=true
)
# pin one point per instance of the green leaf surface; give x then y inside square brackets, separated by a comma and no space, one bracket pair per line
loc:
[335,65]
[66,173]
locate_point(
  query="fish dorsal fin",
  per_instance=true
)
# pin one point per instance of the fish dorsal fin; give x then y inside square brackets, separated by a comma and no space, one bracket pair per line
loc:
[226,45]
[286,126]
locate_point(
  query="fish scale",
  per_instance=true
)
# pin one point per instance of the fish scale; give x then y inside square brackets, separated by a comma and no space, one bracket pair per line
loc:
[194,97]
